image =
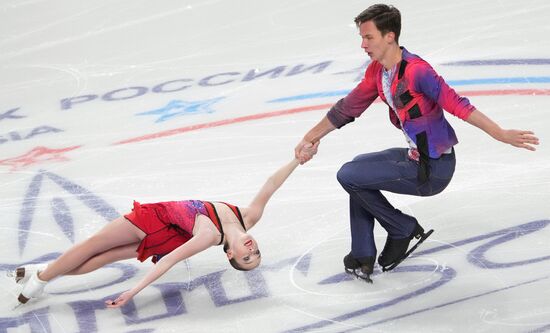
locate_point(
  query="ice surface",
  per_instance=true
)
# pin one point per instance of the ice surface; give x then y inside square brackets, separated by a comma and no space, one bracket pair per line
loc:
[105,102]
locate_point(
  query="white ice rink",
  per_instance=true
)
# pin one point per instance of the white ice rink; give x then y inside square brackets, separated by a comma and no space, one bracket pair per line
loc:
[103,102]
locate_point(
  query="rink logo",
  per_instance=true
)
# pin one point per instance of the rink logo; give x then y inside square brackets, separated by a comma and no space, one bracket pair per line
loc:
[178,85]
[177,108]
[26,134]
[282,71]
[13,136]
[476,257]
[10,115]
[172,294]
[59,207]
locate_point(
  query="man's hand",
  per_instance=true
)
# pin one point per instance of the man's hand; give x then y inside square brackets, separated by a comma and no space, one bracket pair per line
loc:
[305,150]
[516,138]
[520,139]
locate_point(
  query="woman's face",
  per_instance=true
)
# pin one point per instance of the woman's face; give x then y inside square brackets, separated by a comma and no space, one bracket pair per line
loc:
[245,251]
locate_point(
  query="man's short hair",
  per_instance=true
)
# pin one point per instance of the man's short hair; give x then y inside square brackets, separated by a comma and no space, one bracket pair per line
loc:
[386,18]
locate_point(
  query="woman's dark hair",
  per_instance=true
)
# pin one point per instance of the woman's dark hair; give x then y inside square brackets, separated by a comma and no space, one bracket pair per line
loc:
[235,265]
[385,18]
[232,261]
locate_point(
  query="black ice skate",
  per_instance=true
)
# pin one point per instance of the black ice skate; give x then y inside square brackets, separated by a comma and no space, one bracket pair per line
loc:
[361,269]
[395,250]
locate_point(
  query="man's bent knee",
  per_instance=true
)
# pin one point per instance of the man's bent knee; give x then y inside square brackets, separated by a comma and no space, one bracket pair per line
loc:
[346,176]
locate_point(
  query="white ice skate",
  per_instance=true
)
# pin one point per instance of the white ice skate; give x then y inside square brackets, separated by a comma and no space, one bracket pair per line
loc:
[22,274]
[32,289]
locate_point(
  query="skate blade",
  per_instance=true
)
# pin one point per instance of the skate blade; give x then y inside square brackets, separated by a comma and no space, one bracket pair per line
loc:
[359,276]
[17,306]
[421,240]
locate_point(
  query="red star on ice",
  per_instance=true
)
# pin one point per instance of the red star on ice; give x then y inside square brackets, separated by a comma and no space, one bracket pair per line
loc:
[37,155]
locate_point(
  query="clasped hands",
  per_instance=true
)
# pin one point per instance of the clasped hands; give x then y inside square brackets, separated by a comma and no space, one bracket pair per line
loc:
[305,150]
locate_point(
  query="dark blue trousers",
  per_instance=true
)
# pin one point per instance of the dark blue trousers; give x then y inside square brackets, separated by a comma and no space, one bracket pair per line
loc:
[390,170]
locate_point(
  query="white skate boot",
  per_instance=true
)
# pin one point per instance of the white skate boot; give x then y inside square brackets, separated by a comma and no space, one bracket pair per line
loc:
[22,274]
[33,288]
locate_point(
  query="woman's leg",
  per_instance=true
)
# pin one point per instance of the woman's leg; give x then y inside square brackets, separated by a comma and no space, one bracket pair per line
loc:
[116,234]
[113,255]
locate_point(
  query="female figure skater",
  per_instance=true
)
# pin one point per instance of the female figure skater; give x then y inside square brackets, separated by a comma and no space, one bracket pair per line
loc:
[169,232]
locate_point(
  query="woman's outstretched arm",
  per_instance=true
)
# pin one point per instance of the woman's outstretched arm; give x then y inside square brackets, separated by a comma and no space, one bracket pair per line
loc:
[256,208]
[196,244]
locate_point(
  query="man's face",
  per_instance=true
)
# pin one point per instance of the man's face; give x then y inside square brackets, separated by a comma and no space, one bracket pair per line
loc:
[374,44]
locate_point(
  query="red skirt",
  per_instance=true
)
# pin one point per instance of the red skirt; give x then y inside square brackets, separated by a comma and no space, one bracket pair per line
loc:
[161,237]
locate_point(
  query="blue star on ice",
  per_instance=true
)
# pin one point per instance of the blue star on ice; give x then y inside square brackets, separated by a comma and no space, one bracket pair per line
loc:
[176,108]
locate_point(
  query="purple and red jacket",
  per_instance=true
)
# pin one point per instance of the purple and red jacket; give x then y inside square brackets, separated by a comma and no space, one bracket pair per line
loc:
[419,95]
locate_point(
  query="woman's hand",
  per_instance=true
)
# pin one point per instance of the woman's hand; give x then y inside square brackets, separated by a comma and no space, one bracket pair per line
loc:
[121,300]
[305,150]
